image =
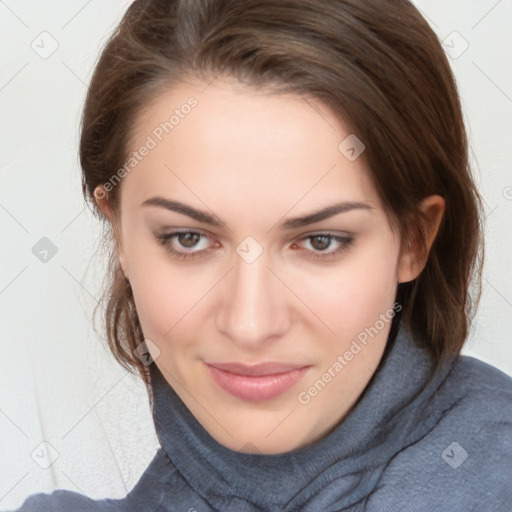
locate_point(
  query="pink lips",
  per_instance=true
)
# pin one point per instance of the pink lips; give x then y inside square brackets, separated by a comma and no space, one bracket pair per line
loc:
[256,382]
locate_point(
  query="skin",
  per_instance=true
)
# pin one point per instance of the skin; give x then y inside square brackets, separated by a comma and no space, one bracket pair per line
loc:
[254,160]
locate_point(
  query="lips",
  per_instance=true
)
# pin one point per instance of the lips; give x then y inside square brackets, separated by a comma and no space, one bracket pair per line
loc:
[256,382]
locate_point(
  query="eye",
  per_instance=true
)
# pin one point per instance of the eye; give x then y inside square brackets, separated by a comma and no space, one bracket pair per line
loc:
[181,243]
[320,242]
[194,244]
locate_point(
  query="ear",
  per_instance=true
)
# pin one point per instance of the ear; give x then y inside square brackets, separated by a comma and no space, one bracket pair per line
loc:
[415,256]
[101,198]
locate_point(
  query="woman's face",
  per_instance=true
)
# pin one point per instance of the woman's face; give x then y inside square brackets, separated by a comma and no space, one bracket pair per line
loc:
[270,312]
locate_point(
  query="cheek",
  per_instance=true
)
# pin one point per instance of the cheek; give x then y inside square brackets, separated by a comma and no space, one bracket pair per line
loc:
[353,295]
[165,294]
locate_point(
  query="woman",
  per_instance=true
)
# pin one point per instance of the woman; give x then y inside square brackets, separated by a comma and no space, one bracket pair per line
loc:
[295,232]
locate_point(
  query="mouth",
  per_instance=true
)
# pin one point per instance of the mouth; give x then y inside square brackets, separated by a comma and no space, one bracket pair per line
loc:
[258,382]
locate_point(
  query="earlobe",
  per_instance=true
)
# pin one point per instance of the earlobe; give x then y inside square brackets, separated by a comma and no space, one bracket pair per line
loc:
[415,256]
[407,269]
[101,198]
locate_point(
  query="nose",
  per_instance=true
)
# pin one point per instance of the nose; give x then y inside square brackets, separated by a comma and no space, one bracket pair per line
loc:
[255,308]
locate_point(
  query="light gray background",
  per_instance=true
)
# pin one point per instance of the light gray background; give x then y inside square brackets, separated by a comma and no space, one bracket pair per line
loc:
[59,386]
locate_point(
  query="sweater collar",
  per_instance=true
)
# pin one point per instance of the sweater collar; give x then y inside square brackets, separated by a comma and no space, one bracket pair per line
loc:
[374,430]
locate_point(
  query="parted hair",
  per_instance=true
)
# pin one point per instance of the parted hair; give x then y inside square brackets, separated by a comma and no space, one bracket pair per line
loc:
[376,63]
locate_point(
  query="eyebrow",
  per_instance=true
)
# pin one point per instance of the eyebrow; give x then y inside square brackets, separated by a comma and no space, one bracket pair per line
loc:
[292,223]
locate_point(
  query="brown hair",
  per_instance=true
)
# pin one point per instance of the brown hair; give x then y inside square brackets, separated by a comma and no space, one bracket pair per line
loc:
[376,63]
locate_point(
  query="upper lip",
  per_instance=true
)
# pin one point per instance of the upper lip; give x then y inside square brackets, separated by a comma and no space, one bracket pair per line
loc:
[259,369]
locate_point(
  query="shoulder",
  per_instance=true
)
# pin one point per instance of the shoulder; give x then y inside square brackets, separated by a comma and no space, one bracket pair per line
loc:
[145,495]
[476,388]
[458,451]
[475,398]
[473,374]
[62,500]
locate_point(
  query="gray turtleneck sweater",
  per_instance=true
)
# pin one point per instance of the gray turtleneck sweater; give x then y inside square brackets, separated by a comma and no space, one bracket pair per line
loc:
[410,444]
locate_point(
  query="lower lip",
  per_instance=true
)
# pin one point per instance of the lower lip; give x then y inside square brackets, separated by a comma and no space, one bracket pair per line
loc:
[256,388]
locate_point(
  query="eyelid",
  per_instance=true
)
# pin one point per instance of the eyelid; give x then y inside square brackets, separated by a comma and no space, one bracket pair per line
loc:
[326,232]
[345,242]
[166,235]
[346,239]
[164,240]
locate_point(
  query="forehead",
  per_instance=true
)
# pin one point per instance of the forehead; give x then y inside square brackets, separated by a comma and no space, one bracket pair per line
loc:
[223,141]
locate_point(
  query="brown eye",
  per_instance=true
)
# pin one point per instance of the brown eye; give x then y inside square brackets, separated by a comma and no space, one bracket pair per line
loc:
[320,242]
[188,240]
[185,244]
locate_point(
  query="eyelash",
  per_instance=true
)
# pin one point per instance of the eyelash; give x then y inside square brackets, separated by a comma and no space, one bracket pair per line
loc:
[165,239]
